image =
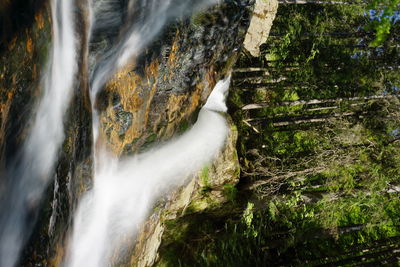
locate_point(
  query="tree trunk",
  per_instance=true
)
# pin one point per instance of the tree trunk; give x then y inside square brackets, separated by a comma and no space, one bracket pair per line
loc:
[316,101]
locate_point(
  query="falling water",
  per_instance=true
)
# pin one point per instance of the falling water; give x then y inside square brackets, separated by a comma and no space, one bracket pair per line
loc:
[32,169]
[154,16]
[125,190]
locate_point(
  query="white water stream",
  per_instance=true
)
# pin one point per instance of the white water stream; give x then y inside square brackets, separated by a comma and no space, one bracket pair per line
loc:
[124,189]
[154,16]
[32,170]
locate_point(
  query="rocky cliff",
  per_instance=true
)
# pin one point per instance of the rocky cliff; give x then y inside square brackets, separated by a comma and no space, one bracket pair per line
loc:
[172,79]
[25,45]
[155,98]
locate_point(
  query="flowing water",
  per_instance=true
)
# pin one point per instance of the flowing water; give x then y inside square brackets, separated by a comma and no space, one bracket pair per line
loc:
[142,27]
[31,172]
[125,189]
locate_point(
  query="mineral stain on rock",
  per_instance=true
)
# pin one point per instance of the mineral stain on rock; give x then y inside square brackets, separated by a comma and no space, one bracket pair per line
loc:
[149,101]
[24,49]
[169,83]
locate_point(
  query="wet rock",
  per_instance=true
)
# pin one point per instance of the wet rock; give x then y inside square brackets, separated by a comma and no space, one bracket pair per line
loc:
[123,118]
[149,101]
[169,83]
[24,50]
[207,191]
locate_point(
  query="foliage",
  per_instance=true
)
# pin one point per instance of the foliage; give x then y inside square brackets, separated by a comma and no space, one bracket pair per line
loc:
[205,180]
[323,51]
[384,15]
[230,192]
[320,163]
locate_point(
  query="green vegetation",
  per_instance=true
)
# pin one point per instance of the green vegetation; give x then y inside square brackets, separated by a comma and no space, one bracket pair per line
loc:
[385,12]
[205,180]
[318,115]
[230,192]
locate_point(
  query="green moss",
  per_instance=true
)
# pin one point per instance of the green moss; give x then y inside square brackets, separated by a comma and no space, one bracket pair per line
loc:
[205,180]
[151,138]
[196,206]
[183,126]
[175,230]
[148,142]
[203,19]
[235,99]
[230,192]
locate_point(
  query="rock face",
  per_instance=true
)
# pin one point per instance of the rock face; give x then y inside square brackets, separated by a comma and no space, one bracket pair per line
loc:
[140,105]
[161,96]
[210,188]
[260,25]
[25,45]
[23,50]
[170,82]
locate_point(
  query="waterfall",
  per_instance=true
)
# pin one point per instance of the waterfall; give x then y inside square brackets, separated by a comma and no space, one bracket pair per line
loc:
[32,170]
[125,190]
[154,16]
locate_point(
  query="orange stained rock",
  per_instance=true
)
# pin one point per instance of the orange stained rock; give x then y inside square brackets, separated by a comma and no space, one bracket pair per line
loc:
[134,99]
[58,257]
[152,70]
[174,50]
[11,45]
[29,45]
[114,142]
[148,108]
[10,95]
[4,110]
[175,106]
[40,21]
[34,74]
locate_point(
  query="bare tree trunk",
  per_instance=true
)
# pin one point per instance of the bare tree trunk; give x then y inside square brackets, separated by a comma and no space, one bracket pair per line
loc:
[315,101]
[298,120]
[267,179]
[333,34]
[311,119]
[322,2]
